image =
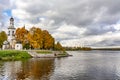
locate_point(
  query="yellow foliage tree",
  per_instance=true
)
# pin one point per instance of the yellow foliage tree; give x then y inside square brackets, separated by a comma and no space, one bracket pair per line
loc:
[36,37]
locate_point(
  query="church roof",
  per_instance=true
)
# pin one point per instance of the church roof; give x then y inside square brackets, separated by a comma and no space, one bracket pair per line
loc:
[5,42]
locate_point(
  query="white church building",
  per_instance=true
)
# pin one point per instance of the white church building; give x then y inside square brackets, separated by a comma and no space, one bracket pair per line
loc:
[11,42]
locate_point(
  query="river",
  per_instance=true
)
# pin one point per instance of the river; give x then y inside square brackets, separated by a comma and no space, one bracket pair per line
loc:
[83,65]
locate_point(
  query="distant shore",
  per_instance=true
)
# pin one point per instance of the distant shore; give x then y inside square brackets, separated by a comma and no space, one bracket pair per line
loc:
[105,48]
[90,48]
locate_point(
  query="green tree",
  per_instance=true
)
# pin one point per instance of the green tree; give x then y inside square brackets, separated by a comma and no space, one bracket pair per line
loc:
[3,37]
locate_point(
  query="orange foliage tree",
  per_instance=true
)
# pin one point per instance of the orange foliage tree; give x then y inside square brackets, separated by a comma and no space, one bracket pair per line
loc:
[21,35]
[48,40]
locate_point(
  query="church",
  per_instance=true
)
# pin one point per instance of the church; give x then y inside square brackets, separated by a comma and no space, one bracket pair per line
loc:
[11,42]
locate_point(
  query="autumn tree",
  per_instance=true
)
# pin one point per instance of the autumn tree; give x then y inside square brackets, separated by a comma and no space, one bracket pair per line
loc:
[59,47]
[48,40]
[3,37]
[35,37]
[21,35]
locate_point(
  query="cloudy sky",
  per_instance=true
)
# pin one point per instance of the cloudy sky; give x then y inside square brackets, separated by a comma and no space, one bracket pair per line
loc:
[71,22]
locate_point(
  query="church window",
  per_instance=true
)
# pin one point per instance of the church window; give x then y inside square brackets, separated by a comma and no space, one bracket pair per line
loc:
[8,33]
[12,32]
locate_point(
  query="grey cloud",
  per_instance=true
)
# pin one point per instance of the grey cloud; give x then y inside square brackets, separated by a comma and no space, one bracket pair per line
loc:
[107,43]
[77,12]
[99,29]
[94,15]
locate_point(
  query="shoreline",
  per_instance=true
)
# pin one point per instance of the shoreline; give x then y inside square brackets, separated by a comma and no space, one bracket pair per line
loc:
[53,54]
[13,55]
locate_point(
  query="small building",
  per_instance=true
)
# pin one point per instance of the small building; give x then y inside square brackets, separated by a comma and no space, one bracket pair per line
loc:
[6,45]
[18,46]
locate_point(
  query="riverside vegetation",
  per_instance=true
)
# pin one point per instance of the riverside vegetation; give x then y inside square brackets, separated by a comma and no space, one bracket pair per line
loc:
[13,55]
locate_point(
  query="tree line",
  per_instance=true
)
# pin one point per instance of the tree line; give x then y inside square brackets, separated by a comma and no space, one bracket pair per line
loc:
[34,38]
[77,48]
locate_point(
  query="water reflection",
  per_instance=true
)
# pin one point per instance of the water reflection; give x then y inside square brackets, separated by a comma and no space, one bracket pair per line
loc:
[87,65]
[33,69]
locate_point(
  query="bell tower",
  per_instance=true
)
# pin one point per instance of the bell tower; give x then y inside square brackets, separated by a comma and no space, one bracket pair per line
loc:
[11,31]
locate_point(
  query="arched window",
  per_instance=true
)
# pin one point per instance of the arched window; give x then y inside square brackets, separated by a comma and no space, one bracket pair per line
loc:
[13,33]
[8,33]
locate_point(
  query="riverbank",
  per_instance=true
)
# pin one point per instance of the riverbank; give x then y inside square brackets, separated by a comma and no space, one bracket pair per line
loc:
[25,54]
[13,55]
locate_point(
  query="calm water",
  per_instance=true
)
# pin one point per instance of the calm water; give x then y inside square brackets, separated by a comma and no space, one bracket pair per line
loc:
[83,65]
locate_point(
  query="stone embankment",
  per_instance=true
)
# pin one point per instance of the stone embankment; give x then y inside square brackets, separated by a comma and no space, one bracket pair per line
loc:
[54,54]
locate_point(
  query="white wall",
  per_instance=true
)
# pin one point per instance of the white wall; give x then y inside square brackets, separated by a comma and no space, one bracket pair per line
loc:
[18,46]
[10,36]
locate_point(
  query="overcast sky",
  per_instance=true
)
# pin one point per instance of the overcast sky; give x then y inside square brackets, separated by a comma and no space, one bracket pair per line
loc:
[71,22]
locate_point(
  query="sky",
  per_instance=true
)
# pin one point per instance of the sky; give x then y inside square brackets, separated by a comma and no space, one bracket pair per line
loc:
[93,23]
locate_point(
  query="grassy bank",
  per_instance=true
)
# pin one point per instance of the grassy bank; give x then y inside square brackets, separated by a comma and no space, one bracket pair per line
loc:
[43,51]
[13,55]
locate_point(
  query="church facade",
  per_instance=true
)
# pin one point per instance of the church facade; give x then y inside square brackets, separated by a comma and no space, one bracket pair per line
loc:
[11,42]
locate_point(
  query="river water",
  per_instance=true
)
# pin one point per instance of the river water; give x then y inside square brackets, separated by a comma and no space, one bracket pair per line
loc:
[83,65]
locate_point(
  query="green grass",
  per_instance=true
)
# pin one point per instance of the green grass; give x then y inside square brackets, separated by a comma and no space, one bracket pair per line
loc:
[13,55]
[44,51]
[62,55]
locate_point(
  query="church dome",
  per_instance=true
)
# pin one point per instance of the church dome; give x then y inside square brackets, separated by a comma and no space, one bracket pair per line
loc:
[11,19]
